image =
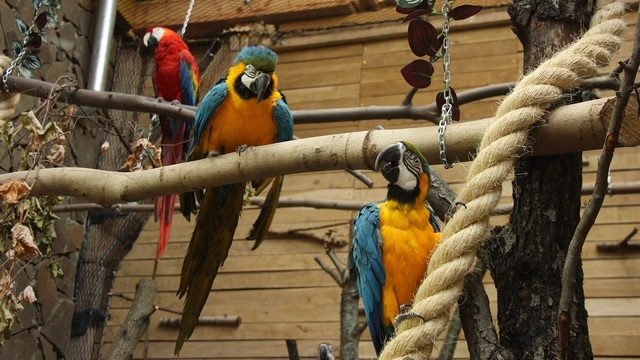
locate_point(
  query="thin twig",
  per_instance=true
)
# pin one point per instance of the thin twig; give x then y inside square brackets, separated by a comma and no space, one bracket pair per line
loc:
[328,270]
[593,207]
[622,245]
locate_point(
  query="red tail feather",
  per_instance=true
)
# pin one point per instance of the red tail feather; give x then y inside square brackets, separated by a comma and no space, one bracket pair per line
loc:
[164,212]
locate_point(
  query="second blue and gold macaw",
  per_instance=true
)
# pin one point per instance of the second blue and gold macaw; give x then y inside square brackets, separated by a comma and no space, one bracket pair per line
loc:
[244,109]
[393,240]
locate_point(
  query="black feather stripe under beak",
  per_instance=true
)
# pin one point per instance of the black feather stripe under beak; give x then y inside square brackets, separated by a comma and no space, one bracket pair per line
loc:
[262,82]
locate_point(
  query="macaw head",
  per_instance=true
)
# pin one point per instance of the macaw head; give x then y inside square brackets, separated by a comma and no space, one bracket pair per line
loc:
[157,35]
[402,165]
[257,78]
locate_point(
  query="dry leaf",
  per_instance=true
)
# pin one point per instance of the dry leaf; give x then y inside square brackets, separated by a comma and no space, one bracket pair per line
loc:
[27,296]
[145,156]
[104,147]
[22,241]
[57,154]
[13,191]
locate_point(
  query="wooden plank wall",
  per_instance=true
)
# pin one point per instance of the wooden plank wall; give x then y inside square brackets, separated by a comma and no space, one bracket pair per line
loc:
[280,292]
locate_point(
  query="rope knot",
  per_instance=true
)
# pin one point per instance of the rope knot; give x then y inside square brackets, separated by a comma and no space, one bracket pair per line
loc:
[8,101]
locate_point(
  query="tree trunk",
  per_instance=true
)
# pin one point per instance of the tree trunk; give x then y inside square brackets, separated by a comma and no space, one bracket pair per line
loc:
[527,261]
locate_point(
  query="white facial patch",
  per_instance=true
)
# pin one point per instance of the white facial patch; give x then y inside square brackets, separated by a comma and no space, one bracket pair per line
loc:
[157,33]
[249,77]
[406,180]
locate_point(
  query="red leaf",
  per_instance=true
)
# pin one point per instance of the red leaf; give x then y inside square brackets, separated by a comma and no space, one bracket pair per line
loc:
[422,37]
[41,20]
[455,107]
[415,14]
[464,11]
[35,40]
[418,73]
[423,5]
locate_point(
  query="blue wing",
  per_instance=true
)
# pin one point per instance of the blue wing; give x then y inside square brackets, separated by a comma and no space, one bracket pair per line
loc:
[284,120]
[205,111]
[366,257]
[189,82]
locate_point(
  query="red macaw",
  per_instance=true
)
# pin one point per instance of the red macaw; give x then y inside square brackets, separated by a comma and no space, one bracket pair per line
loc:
[393,240]
[244,109]
[175,78]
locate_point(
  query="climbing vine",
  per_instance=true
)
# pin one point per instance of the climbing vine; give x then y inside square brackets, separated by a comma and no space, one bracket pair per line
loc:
[32,141]
[426,40]
[25,53]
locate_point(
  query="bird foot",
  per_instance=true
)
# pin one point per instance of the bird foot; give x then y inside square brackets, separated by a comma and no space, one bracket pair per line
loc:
[176,103]
[407,315]
[242,148]
[160,99]
[213,153]
[452,210]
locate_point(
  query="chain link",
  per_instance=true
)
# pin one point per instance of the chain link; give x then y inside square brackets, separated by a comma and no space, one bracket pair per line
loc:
[448,99]
[18,59]
[186,19]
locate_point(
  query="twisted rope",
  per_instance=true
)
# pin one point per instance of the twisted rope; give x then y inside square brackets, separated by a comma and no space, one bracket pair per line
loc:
[8,101]
[505,139]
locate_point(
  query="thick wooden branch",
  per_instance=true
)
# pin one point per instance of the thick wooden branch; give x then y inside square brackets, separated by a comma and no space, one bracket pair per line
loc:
[136,322]
[571,128]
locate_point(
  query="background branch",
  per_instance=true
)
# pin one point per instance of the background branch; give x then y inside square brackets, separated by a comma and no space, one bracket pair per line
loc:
[593,207]
[356,150]
[136,322]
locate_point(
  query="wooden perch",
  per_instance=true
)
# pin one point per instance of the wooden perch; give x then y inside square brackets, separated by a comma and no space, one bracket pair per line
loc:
[136,322]
[225,320]
[622,246]
[571,128]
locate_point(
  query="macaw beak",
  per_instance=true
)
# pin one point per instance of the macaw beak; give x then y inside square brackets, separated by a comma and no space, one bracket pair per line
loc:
[261,84]
[150,42]
[388,162]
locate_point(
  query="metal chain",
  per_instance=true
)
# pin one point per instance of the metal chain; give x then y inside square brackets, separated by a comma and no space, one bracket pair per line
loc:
[186,19]
[18,59]
[448,99]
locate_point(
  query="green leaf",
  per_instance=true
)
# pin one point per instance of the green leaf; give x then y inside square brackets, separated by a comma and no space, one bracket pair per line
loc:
[25,72]
[17,48]
[55,269]
[22,27]
[31,62]
[51,131]
[408,3]
[31,123]
[10,308]
[52,19]
[6,133]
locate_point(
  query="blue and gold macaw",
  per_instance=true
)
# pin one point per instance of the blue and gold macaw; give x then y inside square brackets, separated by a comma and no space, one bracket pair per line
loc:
[393,240]
[244,109]
[175,77]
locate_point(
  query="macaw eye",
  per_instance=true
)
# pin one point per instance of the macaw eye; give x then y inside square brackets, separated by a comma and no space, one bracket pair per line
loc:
[250,70]
[412,159]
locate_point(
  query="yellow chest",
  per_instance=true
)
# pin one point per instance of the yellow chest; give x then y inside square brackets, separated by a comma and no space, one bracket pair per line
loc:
[241,122]
[408,239]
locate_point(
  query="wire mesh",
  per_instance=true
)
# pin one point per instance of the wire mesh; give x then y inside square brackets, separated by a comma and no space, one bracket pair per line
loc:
[109,234]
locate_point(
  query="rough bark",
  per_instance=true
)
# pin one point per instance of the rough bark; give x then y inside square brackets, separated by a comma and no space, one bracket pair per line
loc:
[527,261]
[136,322]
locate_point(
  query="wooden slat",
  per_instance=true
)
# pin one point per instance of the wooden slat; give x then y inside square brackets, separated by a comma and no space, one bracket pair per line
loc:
[241,281]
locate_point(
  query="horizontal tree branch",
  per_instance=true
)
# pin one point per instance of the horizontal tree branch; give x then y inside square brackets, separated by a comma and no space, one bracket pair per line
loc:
[130,102]
[570,128]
